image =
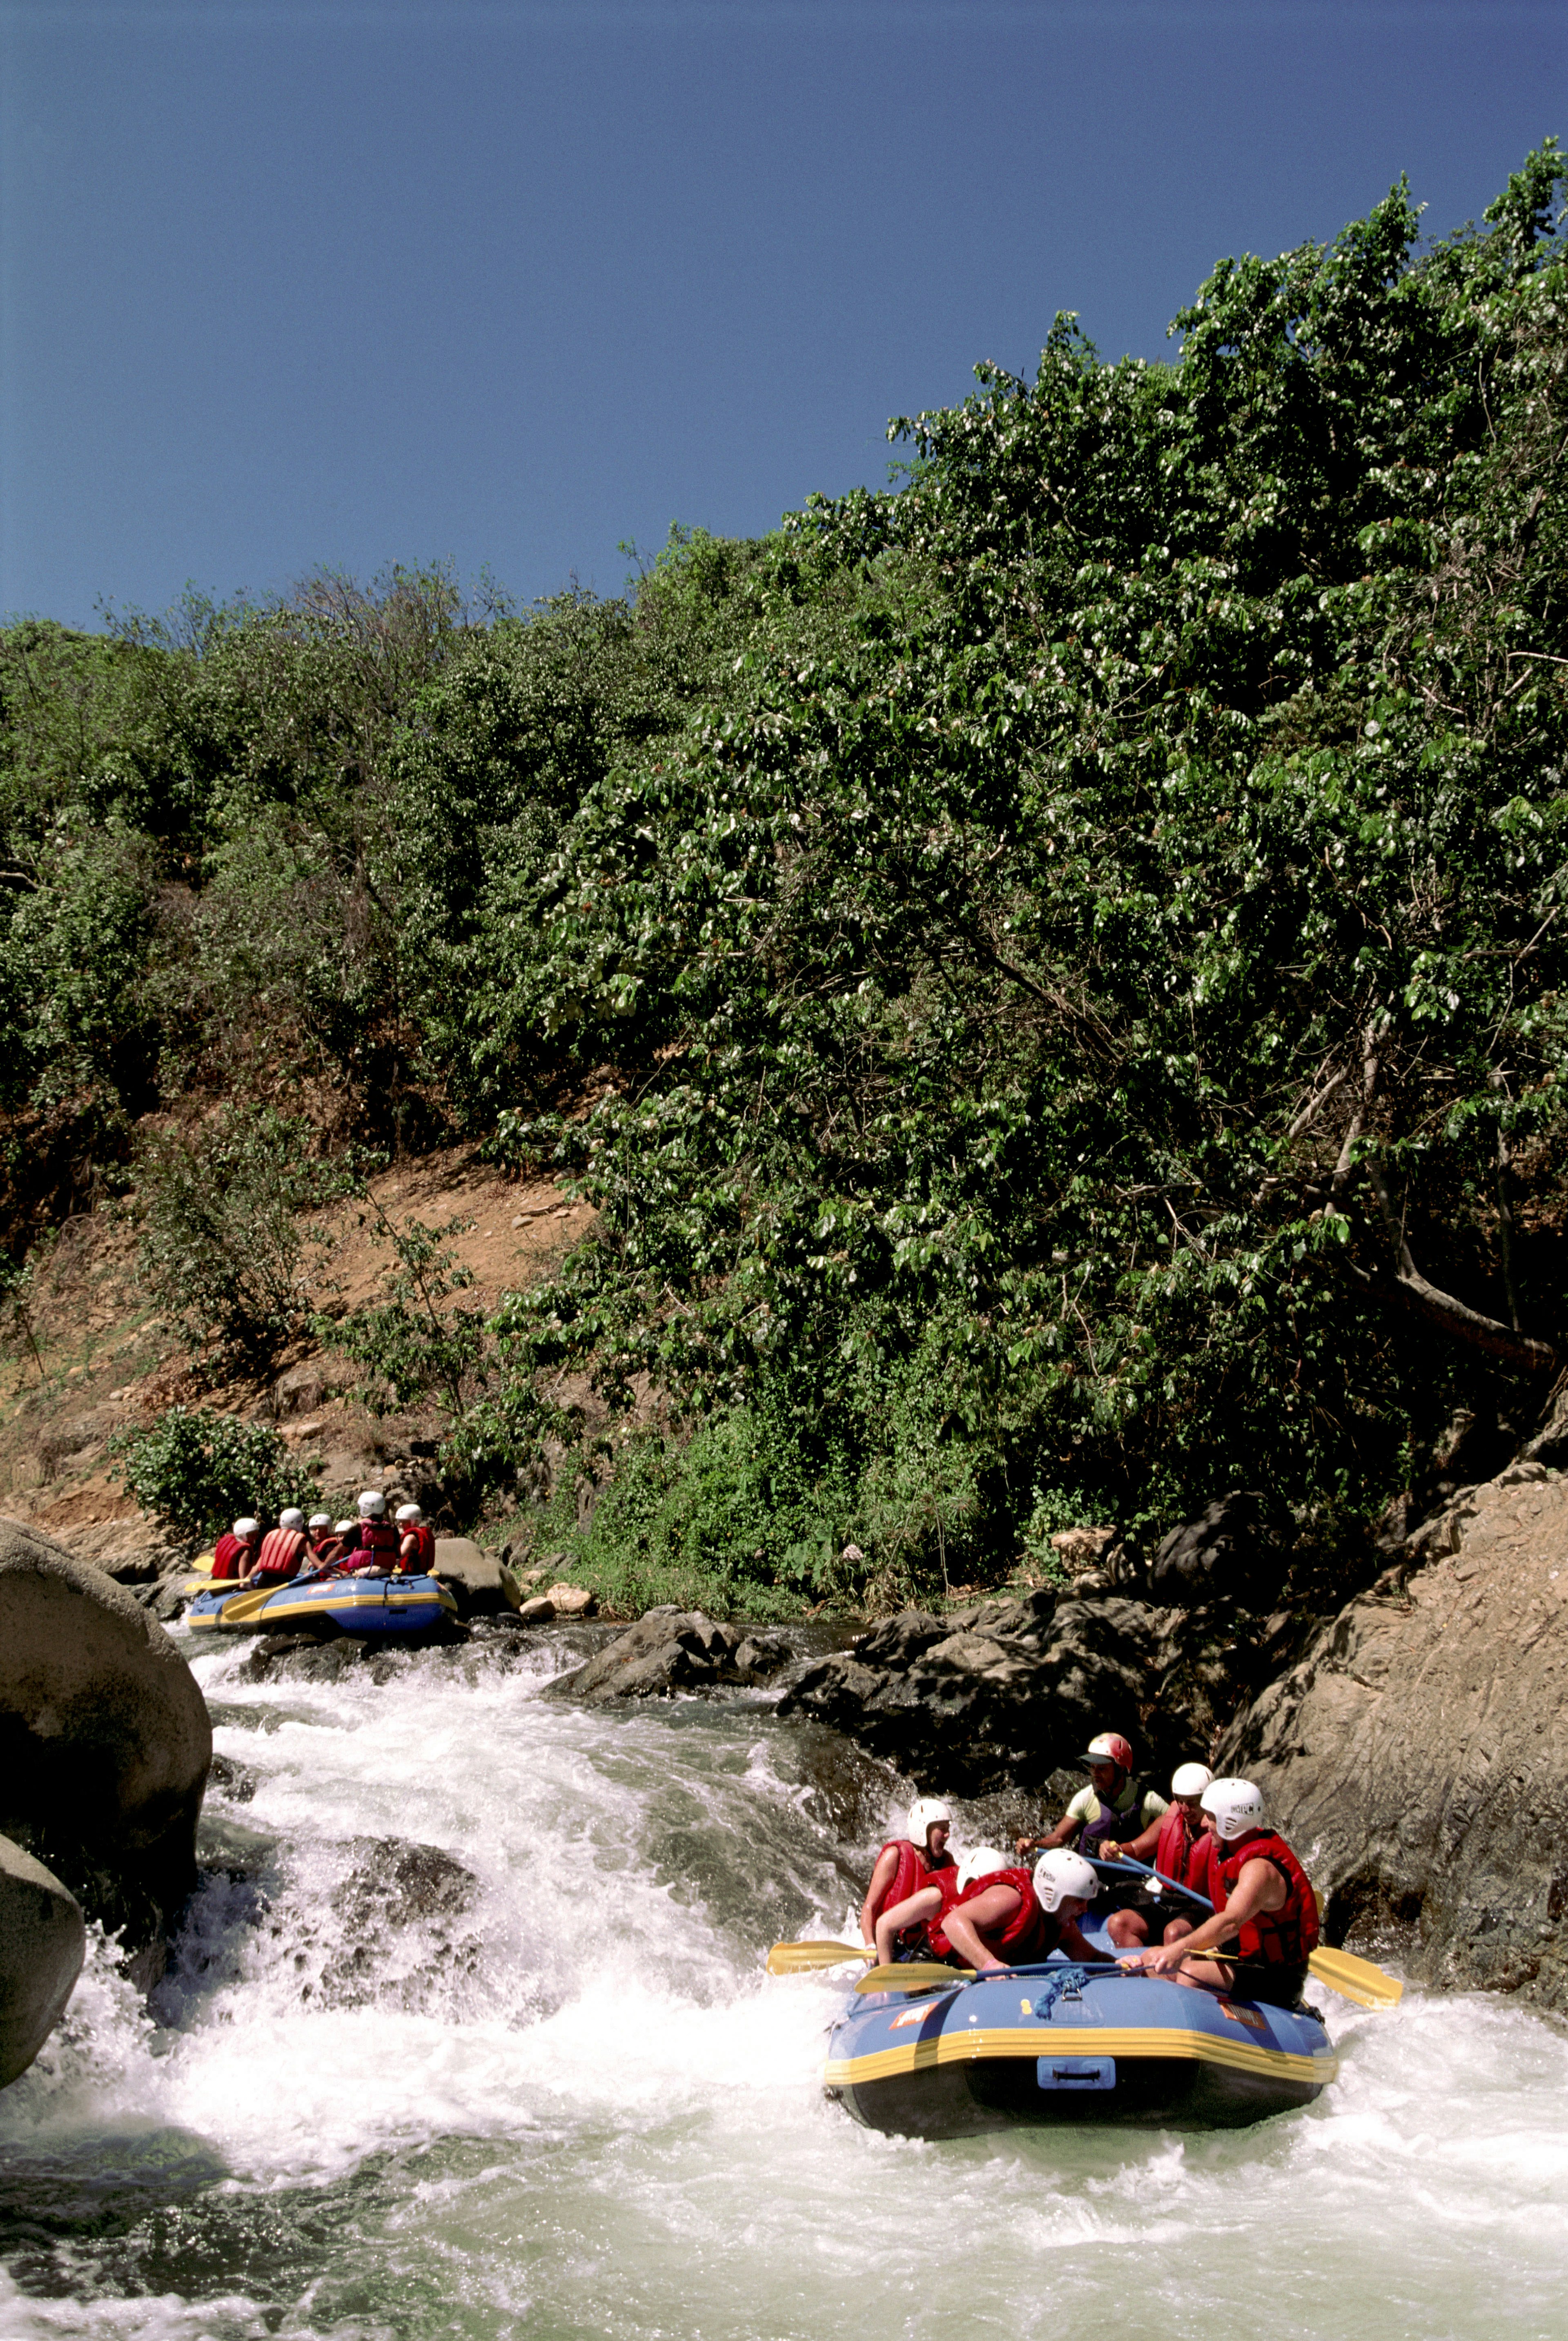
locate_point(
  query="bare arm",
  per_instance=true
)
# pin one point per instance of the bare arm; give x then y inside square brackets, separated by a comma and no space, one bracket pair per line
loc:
[925,1904]
[994,1907]
[881,1879]
[1065,1830]
[1259,1886]
[1138,1848]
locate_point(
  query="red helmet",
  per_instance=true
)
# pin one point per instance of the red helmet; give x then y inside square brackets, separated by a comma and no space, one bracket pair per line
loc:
[1110,1747]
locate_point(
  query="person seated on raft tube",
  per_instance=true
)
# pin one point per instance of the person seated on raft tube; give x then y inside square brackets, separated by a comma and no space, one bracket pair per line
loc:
[991,1915]
[416,1542]
[1180,1848]
[1111,1802]
[903,1865]
[234,1554]
[374,1550]
[319,1535]
[284,1549]
[1266,1905]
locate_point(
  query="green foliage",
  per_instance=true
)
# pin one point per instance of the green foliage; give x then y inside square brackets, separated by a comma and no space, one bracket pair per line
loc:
[1044,973]
[223,1251]
[196,1471]
[1157,801]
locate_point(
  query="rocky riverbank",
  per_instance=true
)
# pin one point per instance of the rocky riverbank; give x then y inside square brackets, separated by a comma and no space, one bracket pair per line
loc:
[1418,1752]
[1414,1746]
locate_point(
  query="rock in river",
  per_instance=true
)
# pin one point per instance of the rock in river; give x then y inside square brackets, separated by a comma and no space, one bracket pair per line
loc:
[1232,1552]
[1417,1756]
[475,1576]
[104,1741]
[43,1941]
[670,1650]
[1005,1693]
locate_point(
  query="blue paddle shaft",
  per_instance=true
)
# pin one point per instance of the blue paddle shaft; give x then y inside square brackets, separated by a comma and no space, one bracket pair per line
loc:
[1143,1870]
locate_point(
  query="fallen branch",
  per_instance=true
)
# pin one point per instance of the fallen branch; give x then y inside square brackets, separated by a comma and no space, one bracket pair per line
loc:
[1441,1309]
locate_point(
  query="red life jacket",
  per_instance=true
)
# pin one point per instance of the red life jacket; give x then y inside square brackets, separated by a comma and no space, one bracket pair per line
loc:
[378,1547]
[913,1870]
[1186,1852]
[281,1550]
[1030,1934]
[417,1552]
[227,1554]
[935,1926]
[1283,1938]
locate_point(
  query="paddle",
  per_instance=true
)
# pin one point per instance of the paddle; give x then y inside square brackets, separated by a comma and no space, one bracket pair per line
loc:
[800,1959]
[912,1975]
[1357,1979]
[1351,1977]
[243,1606]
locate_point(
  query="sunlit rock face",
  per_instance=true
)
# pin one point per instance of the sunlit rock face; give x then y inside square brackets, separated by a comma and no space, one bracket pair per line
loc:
[1418,1753]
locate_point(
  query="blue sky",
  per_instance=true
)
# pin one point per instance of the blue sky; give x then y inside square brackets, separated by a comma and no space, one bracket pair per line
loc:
[284,285]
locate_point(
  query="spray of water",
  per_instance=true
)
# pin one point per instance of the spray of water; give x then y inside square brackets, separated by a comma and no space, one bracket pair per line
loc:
[468,2034]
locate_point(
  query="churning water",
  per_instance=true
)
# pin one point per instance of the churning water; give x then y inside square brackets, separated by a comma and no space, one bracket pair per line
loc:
[467,2036]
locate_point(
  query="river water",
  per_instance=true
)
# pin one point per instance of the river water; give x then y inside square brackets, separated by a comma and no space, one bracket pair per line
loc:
[540,2086]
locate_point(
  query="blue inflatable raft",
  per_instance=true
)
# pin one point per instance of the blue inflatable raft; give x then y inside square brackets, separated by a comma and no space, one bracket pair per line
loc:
[351,1605]
[1065,2043]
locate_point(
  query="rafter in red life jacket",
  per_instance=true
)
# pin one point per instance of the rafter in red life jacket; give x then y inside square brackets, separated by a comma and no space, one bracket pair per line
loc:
[416,1550]
[282,1553]
[1283,1938]
[1030,1934]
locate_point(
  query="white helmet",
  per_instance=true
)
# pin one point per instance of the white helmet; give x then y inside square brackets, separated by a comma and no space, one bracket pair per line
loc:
[409,1512]
[923,1815]
[321,1519]
[291,1519]
[247,1527]
[1237,1806]
[1190,1780]
[373,1504]
[982,1863]
[342,1527]
[1059,1872]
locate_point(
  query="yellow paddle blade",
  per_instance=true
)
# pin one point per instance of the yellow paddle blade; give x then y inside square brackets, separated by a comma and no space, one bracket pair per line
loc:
[245,1605]
[1356,1979]
[799,1958]
[912,1975]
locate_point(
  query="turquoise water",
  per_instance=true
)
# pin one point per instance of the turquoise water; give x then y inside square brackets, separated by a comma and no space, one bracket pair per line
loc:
[542,2088]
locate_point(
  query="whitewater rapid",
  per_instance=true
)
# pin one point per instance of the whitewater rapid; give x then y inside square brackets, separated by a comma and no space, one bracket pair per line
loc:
[535,2084]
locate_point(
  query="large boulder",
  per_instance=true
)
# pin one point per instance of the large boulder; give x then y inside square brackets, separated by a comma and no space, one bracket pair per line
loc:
[1006,1692]
[104,1741]
[43,1941]
[1417,1756]
[1232,1552]
[482,1586]
[671,1650]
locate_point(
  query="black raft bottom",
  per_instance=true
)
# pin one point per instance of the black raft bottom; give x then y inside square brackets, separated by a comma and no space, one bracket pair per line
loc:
[961,2100]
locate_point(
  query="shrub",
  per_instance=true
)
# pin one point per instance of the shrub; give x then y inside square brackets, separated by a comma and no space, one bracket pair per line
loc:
[409,1346]
[196,1471]
[222,1243]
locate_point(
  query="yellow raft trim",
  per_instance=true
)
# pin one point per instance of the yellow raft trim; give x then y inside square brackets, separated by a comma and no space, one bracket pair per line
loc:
[1088,2040]
[404,1597]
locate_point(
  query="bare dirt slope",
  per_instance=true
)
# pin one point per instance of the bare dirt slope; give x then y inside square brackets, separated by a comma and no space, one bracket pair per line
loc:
[103,1359]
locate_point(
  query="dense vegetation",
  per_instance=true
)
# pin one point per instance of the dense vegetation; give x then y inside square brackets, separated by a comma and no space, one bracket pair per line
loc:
[1053,974]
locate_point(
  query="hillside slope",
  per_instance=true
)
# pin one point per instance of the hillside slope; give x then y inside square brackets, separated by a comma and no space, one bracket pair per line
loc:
[1051,978]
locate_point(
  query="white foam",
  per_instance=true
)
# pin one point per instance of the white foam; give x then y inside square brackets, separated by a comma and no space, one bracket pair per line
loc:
[590,2111]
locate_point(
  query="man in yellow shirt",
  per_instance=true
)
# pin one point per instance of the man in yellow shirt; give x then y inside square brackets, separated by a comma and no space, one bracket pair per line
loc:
[1113,1806]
